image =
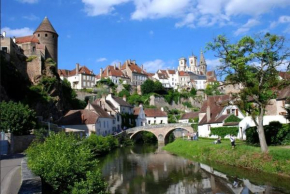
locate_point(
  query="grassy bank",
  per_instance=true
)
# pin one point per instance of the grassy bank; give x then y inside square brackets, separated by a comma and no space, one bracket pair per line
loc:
[277,161]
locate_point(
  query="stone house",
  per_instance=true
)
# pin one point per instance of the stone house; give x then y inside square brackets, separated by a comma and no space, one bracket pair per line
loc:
[93,119]
[115,74]
[186,116]
[155,116]
[80,77]
[213,113]
[137,74]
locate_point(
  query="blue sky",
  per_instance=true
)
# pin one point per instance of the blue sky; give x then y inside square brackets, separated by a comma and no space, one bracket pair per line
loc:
[155,33]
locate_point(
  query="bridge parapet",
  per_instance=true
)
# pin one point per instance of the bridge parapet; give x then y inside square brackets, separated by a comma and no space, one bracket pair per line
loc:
[173,125]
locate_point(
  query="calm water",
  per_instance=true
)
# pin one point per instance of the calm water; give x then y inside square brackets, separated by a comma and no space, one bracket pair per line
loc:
[148,169]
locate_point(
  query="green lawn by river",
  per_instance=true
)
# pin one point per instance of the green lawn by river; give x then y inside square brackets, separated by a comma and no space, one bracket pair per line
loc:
[277,161]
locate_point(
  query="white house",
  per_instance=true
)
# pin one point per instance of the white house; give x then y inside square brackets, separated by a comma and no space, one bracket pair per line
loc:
[140,116]
[91,121]
[80,77]
[115,74]
[155,116]
[213,113]
[186,116]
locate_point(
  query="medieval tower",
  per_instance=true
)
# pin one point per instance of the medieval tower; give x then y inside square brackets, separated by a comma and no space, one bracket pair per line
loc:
[47,36]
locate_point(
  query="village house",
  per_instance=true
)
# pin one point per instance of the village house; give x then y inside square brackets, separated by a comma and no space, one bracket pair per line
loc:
[137,74]
[213,113]
[185,118]
[155,116]
[91,120]
[140,116]
[115,74]
[80,77]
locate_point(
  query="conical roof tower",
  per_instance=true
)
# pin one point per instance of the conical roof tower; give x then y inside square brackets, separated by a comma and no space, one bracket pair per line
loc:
[202,63]
[45,26]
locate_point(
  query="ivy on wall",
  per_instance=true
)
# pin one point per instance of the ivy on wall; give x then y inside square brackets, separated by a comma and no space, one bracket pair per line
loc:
[128,120]
[224,131]
[232,118]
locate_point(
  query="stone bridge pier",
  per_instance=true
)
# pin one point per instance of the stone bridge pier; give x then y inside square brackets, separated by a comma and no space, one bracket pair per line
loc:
[160,131]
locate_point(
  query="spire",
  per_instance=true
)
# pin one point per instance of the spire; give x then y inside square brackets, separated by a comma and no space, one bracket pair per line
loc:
[45,26]
[201,60]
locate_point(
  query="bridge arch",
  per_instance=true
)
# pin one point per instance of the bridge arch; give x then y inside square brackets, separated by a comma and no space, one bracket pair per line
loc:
[133,135]
[160,131]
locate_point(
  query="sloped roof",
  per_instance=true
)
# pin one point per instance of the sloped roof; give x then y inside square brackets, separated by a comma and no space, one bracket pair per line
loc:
[111,71]
[134,68]
[171,71]
[82,69]
[162,75]
[190,115]
[154,112]
[121,102]
[32,38]
[79,117]
[63,72]
[45,26]
[216,104]
[183,73]
[102,113]
[284,75]
[284,93]
[136,111]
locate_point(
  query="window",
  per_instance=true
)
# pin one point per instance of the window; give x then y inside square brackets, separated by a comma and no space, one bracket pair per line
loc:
[161,121]
[154,121]
[149,122]
[114,121]
[38,35]
[118,119]
[228,111]
[45,35]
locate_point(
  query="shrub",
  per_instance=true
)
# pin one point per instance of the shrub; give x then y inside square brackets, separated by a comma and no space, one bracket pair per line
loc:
[31,58]
[65,164]
[17,117]
[187,104]
[275,134]
[232,118]
[224,131]
[124,92]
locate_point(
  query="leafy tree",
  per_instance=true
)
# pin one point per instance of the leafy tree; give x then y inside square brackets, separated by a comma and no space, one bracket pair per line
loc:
[253,62]
[193,92]
[158,88]
[212,89]
[147,87]
[66,165]
[17,117]
[124,92]
[127,87]
[70,95]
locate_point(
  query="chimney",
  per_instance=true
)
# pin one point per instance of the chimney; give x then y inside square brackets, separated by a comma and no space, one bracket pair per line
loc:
[108,71]
[77,68]
[115,66]
[142,67]
[162,109]
[134,62]
[4,34]
[124,98]
[119,65]
[208,111]
[101,72]
[126,62]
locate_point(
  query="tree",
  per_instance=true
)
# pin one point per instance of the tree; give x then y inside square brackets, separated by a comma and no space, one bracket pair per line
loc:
[253,62]
[147,87]
[17,117]
[212,89]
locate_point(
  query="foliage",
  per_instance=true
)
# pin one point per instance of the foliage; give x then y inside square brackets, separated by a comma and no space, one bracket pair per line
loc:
[106,81]
[260,82]
[136,99]
[17,117]
[65,164]
[187,104]
[275,132]
[149,86]
[99,144]
[124,139]
[50,61]
[127,87]
[124,93]
[128,120]
[193,92]
[172,96]
[31,58]
[174,115]
[147,138]
[194,126]
[232,118]
[212,89]
[224,131]
[70,96]
[40,134]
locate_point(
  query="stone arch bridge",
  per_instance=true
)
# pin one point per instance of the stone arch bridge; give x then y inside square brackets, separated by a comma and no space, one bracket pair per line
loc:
[160,131]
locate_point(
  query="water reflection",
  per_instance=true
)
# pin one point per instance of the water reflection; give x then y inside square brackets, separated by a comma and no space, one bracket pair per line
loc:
[152,170]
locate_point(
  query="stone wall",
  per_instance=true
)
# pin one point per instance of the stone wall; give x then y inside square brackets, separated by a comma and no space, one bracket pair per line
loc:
[34,68]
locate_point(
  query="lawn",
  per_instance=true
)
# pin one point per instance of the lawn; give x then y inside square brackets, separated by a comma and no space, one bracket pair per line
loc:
[277,161]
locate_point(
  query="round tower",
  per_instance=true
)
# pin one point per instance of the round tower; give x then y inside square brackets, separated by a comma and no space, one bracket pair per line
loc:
[47,36]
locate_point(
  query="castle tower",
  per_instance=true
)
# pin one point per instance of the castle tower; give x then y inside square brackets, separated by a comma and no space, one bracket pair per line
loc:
[47,35]
[193,64]
[182,64]
[202,64]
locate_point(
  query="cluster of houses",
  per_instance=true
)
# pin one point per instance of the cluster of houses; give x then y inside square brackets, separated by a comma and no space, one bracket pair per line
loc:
[192,76]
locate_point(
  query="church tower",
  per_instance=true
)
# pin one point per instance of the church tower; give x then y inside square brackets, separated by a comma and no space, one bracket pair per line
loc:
[193,64]
[202,64]
[47,35]
[182,64]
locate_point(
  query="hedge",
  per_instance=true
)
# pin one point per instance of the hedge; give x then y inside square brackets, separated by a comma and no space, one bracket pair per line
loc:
[224,131]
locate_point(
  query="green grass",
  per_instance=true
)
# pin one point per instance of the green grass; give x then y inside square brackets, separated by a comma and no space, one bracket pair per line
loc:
[277,161]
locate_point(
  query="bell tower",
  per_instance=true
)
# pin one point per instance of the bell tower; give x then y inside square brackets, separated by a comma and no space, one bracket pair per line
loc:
[202,64]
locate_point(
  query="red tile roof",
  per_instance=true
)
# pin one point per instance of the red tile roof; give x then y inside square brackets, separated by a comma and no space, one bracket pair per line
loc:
[134,68]
[82,69]
[63,72]
[25,39]
[79,117]
[190,115]
[284,93]
[171,71]
[136,111]
[284,75]
[111,71]
[154,112]
[183,73]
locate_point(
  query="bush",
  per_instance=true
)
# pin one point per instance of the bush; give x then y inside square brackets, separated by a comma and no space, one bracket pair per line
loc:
[31,58]
[275,133]
[124,93]
[187,104]
[65,164]
[224,131]
[232,118]
[17,117]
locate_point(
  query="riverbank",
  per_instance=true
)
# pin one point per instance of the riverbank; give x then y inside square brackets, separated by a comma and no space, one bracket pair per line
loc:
[276,161]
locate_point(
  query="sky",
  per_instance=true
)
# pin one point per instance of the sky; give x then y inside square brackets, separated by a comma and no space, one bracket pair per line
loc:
[155,33]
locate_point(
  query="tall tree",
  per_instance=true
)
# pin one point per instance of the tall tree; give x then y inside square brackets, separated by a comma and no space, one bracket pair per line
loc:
[253,62]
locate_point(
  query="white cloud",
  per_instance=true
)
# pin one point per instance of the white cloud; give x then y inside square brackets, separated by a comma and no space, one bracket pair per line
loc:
[153,66]
[247,26]
[101,59]
[212,64]
[187,21]
[31,17]
[101,7]
[17,32]
[28,1]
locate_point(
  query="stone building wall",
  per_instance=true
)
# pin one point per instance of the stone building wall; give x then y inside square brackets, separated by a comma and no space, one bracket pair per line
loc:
[34,68]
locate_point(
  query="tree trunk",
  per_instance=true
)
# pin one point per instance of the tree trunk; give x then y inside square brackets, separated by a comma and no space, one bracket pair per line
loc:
[261,133]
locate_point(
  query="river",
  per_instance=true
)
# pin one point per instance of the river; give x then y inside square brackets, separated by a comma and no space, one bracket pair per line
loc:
[151,170]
